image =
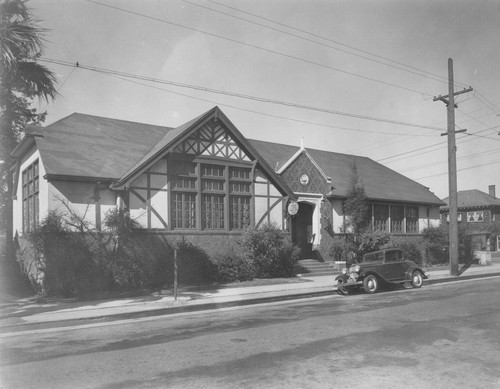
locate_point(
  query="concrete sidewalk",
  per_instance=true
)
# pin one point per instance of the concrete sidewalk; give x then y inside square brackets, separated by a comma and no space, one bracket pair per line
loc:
[21,313]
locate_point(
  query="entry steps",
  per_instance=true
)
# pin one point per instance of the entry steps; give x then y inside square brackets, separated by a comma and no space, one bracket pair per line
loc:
[313,267]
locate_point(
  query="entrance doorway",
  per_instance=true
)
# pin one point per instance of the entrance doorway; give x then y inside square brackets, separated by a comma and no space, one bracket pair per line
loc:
[302,231]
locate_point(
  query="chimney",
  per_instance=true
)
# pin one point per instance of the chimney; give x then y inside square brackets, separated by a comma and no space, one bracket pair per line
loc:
[491,190]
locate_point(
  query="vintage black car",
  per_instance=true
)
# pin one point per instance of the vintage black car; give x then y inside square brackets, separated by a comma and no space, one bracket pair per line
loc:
[380,268]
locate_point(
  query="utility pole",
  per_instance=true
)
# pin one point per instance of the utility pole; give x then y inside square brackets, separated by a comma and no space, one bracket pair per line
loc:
[449,100]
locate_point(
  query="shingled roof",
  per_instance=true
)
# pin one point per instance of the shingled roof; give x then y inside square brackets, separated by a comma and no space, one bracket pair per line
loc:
[472,199]
[380,182]
[85,146]
[91,147]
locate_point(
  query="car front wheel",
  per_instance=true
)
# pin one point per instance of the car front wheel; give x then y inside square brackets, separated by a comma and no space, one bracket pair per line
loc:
[370,284]
[417,279]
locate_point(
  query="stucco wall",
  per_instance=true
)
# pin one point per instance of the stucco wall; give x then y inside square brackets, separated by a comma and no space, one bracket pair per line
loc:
[78,197]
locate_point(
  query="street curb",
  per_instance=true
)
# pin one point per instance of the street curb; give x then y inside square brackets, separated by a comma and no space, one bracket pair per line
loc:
[171,310]
[217,305]
[460,278]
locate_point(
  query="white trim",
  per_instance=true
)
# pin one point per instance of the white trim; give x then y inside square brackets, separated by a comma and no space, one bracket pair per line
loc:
[297,155]
[315,201]
[289,162]
[305,194]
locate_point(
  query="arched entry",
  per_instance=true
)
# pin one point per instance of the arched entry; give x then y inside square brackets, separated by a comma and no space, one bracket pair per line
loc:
[302,229]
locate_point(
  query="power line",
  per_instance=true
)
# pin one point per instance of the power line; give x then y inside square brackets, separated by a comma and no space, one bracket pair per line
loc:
[440,144]
[333,41]
[459,170]
[486,102]
[233,94]
[419,73]
[435,77]
[494,151]
[264,49]
[261,113]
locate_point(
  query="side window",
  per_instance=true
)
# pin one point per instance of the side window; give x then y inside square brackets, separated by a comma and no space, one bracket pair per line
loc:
[391,256]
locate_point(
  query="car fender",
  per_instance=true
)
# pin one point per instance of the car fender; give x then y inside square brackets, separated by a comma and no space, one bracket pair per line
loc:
[342,277]
[410,271]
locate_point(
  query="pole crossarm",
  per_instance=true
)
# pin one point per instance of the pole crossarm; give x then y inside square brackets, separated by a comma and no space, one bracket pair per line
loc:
[456,132]
[445,100]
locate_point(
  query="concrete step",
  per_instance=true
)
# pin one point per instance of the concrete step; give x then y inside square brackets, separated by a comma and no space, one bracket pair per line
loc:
[314,267]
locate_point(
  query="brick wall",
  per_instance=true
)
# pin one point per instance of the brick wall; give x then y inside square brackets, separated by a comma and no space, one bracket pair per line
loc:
[211,243]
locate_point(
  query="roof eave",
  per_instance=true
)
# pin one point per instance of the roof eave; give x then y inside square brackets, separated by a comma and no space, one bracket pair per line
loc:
[386,200]
[65,177]
[24,145]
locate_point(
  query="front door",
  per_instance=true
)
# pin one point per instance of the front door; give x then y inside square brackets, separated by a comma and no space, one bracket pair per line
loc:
[302,232]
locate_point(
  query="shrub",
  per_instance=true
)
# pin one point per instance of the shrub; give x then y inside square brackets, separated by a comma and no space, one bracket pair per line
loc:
[194,266]
[370,240]
[233,266]
[465,246]
[69,258]
[342,248]
[436,244]
[411,251]
[131,258]
[272,255]
[65,259]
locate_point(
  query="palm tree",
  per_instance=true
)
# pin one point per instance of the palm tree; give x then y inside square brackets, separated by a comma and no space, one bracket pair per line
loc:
[20,47]
[22,79]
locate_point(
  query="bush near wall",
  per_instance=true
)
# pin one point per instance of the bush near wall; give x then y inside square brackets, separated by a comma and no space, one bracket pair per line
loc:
[262,252]
[271,253]
[65,261]
[430,248]
[66,257]
[413,248]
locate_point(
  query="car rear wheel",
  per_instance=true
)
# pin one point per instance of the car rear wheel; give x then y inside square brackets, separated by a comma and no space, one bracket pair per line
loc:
[370,284]
[417,279]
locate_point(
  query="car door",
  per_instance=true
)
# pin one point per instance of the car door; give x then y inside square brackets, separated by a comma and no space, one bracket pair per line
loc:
[393,266]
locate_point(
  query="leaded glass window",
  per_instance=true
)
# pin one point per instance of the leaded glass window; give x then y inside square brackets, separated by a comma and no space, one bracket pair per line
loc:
[30,182]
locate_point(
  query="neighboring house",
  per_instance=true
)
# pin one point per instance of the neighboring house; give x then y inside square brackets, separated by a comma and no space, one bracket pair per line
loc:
[205,182]
[480,213]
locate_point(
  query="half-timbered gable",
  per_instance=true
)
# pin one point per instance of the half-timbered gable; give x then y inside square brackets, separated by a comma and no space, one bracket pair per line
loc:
[205,180]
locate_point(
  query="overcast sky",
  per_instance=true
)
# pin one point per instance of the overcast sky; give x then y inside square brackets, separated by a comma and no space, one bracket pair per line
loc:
[374,65]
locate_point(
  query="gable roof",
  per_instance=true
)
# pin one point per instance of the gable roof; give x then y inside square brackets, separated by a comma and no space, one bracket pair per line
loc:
[295,157]
[172,138]
[380,182]
[89,147]
[162,145]
[472,199]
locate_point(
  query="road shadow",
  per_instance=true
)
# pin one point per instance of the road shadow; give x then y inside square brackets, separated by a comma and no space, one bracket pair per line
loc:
[464,268]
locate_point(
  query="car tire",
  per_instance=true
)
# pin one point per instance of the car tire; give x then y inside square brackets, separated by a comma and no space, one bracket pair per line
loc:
[417,279]
[370,284]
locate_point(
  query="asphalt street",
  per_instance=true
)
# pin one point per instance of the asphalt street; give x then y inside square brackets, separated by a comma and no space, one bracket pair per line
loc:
[440,336]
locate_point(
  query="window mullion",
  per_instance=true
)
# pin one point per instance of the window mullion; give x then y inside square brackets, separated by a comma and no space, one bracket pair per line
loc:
[198,197]
[226,200]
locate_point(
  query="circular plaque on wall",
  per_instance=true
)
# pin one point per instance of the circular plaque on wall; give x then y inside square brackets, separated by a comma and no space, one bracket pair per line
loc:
[304,179]
[293,208]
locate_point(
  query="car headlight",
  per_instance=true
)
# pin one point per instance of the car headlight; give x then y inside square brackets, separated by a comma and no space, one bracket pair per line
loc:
[354,269]
[344,270]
